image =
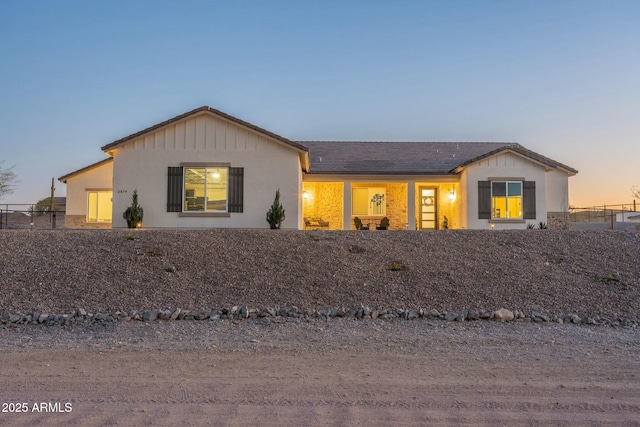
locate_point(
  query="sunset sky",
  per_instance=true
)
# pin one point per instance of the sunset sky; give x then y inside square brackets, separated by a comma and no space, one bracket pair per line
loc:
[560,77]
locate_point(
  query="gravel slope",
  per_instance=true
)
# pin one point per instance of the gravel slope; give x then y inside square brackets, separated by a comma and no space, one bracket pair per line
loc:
[552,271]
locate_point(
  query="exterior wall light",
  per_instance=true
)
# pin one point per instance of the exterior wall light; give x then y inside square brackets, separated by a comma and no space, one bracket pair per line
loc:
[305,195]
[452,196]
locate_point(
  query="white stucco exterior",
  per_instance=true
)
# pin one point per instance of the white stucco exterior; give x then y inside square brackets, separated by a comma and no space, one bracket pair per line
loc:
[557,191]
[268,165]
[209,138]
[97,177]
[551,188]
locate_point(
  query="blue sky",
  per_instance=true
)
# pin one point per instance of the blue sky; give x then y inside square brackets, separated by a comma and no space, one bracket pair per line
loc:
[560,77]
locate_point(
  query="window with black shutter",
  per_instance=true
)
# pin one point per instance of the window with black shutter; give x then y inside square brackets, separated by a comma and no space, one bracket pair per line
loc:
[484,199]
[210,189]
[506,199]
[174,189]
[236,189]
[529,199]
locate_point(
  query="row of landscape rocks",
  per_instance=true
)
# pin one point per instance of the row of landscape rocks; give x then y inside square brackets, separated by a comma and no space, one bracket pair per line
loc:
[82,317]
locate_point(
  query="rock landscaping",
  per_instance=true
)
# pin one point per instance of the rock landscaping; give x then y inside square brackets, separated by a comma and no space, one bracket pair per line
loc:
[562,276]
[82,317]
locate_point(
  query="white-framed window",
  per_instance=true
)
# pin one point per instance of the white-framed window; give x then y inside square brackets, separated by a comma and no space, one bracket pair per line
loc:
[368,201]
[99,205]
[205,189]
[506,199]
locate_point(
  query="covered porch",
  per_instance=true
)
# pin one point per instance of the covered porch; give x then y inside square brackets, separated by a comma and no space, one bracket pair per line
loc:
[429,204]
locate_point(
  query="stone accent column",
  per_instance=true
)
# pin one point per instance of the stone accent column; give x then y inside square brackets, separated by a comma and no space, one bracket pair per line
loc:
[411,205]
[558,220]
[346,197]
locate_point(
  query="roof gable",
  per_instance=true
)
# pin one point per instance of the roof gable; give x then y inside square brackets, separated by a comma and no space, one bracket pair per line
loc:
[524,152]
[198,111]
[92,166]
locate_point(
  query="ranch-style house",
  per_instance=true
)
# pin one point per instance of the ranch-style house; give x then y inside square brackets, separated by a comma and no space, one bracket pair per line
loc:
[207,169]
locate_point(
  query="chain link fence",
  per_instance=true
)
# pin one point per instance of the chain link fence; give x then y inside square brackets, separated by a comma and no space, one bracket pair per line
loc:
[25,216]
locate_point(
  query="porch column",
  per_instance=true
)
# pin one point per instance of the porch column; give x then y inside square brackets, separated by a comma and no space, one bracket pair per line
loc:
[346,206]
[411,205]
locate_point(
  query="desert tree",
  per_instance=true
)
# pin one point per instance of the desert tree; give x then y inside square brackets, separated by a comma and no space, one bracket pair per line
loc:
[7,180]
[44,206]
[635,191]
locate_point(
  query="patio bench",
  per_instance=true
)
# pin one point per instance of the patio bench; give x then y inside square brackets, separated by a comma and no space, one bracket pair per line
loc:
[315,222]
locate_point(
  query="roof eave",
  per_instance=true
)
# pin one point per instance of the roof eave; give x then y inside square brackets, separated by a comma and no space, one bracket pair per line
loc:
[380,173]
[64,178]
[518,150]
[108,148]
[305,161]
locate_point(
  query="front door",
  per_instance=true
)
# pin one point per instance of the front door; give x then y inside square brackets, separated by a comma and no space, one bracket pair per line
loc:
[428,208]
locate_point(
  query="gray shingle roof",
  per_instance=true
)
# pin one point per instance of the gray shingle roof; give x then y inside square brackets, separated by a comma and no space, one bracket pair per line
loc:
[410,158]
[361,157]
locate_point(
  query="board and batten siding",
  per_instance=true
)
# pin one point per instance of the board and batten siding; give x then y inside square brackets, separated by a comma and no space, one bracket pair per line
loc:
[507,165]
[268,165]
[204,132]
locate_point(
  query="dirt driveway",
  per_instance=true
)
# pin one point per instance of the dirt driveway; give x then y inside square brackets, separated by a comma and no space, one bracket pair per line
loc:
[341,372]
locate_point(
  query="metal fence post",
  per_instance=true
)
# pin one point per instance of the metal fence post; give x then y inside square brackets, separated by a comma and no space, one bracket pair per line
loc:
[612,214]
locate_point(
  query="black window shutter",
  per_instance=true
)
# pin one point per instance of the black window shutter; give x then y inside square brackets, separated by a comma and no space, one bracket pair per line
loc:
[529,199]
[174,189]
[484,200]
[236,189]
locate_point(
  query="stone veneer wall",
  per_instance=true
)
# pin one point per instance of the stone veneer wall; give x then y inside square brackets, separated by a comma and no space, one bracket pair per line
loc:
[325,201]
[445,208]
[80,221]
[397,206]
[558,220]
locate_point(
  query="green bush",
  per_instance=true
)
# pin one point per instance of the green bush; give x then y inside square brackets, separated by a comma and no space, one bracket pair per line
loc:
[134,213]
[275,215]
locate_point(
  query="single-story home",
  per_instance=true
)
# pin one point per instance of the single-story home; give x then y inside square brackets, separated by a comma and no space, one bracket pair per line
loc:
[207,169]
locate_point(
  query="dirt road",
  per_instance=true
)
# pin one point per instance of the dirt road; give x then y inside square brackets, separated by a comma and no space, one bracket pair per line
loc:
[341,372]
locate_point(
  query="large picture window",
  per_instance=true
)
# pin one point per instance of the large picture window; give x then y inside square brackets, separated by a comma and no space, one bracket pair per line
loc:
[99,206]
[215,190]
[506,199]
[205,189]
[368,201]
